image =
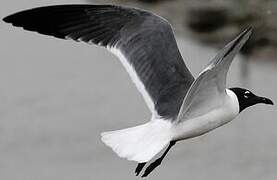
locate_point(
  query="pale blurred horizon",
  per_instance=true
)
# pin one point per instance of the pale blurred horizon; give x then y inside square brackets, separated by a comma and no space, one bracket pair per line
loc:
[57,96]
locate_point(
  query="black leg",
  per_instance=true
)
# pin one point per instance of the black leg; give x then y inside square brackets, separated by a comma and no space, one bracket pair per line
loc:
[158,161]
[139,168]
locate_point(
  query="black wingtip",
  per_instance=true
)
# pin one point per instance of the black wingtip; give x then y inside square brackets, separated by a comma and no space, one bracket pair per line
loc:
[239,40]
[6,19]
[11,18]
[249,29]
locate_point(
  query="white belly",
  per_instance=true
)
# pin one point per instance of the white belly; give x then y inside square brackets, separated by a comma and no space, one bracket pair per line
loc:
[209,121]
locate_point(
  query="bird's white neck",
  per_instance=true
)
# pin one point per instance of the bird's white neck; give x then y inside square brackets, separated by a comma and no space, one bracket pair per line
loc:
[209,121]
[233,100]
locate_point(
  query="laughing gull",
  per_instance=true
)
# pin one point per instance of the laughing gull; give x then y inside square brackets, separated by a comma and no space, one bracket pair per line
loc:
[182,107]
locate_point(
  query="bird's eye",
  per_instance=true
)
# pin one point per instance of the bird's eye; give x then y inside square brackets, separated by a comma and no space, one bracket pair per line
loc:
[245,96]
[247,92]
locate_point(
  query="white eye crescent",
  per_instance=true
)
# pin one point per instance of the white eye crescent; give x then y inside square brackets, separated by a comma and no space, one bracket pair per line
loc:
[245,96]
[247,92]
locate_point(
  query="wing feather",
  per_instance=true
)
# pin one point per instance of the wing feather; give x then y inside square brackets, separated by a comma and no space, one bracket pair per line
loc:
[143,41]
[209,90]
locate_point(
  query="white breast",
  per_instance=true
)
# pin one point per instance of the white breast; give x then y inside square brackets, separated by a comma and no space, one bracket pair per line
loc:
[209,121]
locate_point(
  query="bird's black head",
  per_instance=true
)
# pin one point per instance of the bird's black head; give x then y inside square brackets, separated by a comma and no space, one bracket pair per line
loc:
[246,98]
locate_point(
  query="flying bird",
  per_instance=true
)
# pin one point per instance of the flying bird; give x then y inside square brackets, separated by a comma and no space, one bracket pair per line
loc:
[182,106]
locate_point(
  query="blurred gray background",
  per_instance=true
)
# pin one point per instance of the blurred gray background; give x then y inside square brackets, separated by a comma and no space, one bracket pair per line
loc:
[57,96]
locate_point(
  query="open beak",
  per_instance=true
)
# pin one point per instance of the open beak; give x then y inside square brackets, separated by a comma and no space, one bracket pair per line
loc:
[265,100]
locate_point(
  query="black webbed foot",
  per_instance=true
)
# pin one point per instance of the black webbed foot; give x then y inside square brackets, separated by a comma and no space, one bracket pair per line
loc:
[139,168]
[152,166]
[158,161]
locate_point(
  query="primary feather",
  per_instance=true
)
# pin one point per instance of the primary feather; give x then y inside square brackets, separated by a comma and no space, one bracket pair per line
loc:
[142,40]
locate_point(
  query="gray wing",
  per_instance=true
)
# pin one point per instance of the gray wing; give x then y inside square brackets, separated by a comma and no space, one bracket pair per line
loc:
[209,89]
[144,42]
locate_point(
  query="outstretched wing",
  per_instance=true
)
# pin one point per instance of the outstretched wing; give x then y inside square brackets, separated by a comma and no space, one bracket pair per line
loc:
[144,42]
[209,89]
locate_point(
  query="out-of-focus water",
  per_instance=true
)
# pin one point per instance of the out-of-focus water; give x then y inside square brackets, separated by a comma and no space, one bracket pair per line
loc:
[57,96]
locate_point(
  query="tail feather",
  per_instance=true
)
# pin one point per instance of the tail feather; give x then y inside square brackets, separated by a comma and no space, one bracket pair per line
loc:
[140,143]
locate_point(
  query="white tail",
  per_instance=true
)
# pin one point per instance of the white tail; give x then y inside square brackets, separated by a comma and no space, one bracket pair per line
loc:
[140,143]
